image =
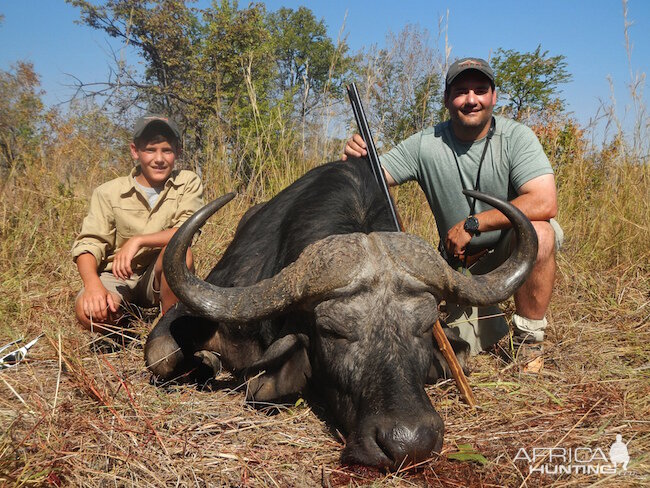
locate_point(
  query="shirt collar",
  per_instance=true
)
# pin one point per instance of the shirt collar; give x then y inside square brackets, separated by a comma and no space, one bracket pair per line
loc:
[130,184]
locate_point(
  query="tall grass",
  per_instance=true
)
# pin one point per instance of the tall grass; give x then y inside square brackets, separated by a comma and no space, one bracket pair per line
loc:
[95,420]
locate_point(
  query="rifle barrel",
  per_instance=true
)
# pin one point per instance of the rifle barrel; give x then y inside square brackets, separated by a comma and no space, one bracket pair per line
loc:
[373,158]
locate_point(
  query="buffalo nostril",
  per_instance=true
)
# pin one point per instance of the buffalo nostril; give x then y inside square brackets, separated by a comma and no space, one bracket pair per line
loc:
[407,444]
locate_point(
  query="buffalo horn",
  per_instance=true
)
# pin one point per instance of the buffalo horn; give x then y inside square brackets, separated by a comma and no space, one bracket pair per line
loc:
[424,263]
[324,266]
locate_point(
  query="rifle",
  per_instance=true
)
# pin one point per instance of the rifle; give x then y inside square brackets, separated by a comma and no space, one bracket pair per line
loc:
[373,159]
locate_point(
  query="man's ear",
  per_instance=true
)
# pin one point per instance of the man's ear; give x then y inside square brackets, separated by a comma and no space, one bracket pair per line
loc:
[134,151]
[283,370]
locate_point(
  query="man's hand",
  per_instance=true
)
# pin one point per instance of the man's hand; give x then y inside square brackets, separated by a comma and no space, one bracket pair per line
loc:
[97,301]
[457,240]
[123,257]
[355,147]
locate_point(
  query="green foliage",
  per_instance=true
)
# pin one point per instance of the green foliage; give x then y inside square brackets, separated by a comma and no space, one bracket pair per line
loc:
[229,75]
[528,82]
[235,73]
[308,62]
[21,112]
[234,44]
[466,453]
[164,33]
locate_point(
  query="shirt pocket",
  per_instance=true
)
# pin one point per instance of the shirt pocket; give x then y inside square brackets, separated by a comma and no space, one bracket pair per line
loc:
[129,222]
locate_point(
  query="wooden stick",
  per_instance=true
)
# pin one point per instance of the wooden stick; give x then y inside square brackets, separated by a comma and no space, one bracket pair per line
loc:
[454,365]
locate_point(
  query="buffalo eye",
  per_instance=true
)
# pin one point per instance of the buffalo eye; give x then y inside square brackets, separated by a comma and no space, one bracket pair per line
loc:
[331,333]
[335,328]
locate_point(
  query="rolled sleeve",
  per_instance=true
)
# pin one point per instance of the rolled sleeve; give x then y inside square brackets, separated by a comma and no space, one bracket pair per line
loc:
[190,200]
[529,159]
[97,234]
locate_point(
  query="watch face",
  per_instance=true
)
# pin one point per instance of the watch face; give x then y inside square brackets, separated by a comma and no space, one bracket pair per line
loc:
[471,224]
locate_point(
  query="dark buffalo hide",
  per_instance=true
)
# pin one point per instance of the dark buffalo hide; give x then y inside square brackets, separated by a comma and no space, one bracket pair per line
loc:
[316,289]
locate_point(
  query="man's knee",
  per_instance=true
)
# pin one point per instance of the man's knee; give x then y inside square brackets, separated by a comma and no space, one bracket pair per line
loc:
[545,240]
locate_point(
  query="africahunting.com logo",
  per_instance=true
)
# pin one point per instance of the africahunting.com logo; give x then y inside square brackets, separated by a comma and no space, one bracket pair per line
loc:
[575,460]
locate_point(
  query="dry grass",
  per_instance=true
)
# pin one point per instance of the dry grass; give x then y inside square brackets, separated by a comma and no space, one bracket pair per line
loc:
[77,413]
[73,415]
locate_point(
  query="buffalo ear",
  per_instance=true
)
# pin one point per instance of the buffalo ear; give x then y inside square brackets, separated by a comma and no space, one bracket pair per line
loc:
[439,368]
[283,370]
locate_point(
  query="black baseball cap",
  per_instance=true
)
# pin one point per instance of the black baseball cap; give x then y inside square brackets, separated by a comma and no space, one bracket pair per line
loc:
[461,65]
[143,122]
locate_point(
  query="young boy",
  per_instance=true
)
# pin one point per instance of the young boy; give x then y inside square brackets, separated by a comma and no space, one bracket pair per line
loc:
[131,219]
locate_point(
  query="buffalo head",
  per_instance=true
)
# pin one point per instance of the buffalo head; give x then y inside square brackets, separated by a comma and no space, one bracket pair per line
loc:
[356,313]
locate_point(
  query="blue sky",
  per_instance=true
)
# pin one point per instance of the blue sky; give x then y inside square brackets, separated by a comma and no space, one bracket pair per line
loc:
[588,33]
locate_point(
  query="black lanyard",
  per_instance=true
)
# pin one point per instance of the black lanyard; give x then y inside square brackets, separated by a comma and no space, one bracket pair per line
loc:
[472,201]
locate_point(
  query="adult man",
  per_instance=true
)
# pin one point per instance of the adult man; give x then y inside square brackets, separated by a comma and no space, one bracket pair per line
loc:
[476,149]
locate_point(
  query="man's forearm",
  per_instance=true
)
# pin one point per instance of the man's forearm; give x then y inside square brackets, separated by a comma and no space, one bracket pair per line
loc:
[537,200]
[495,220]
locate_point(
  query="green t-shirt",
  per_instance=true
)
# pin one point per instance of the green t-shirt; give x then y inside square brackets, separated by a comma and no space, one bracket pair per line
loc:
[436,160]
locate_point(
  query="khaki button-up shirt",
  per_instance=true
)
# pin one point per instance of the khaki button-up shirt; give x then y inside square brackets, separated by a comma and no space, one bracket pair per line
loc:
[119,210]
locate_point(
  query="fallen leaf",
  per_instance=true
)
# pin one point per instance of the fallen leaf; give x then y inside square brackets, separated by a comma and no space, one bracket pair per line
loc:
[535,366]
[467,453]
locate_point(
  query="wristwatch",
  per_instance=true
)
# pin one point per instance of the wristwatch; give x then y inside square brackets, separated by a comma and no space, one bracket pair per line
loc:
[471,226]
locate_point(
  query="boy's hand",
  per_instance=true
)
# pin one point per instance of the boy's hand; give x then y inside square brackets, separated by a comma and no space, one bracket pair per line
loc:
[97,301]
[123,257]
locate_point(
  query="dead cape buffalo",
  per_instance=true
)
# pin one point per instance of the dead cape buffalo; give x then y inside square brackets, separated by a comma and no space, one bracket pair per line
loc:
[316,289]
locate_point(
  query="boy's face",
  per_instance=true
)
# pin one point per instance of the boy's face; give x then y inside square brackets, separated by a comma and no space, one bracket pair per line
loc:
[156,162]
